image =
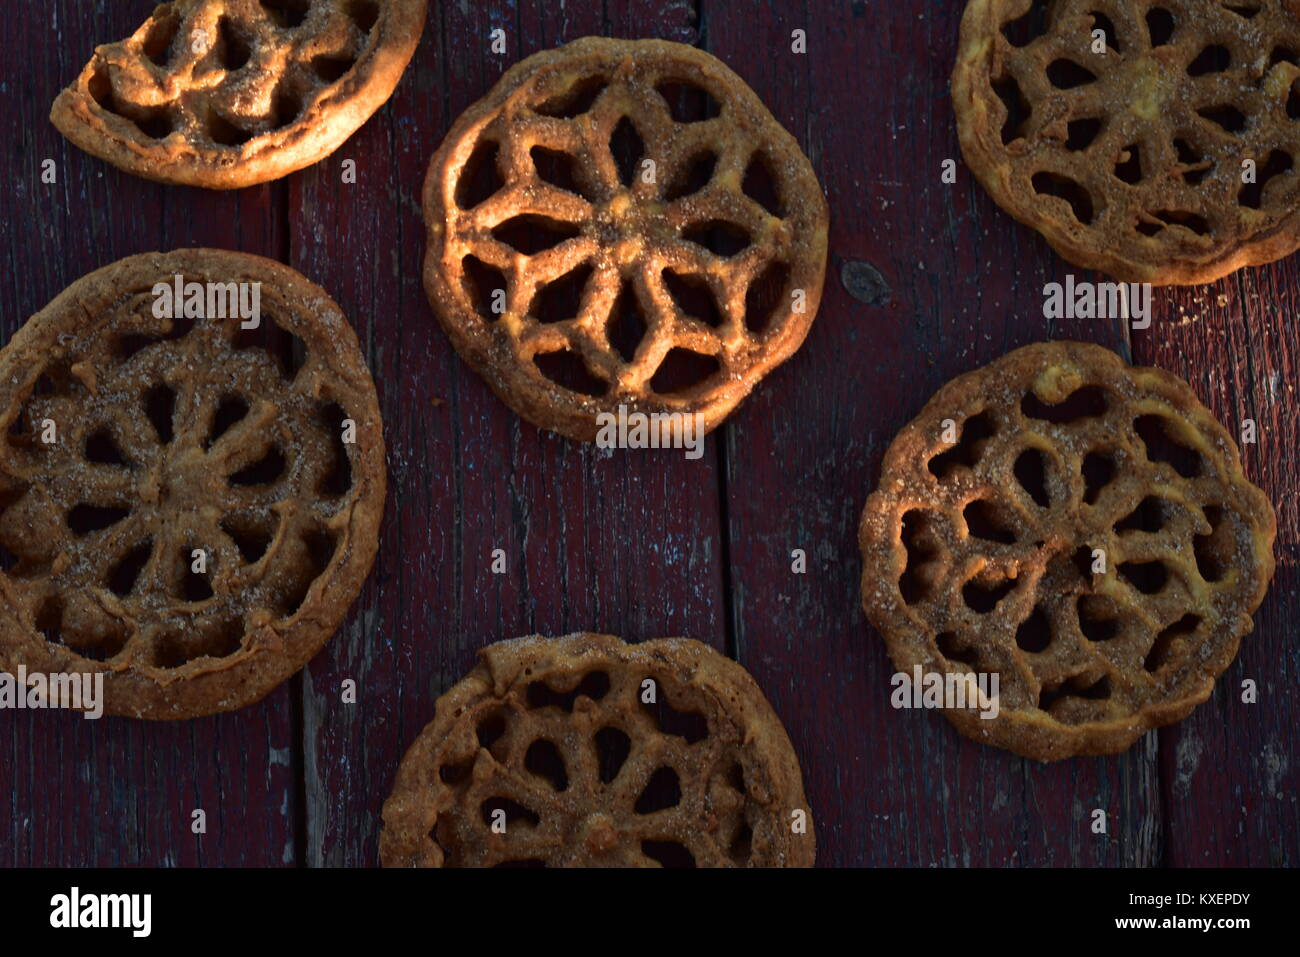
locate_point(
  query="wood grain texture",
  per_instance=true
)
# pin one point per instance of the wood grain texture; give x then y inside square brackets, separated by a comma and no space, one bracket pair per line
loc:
[647,544]
[965,283]
[1229,773]
[621,542]
[114,792]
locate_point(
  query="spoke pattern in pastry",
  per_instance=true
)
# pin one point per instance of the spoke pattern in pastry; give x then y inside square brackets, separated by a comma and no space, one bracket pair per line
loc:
[623,223]
[230,93]
[554,742]
[982,555]
[172,436]
[1131,160]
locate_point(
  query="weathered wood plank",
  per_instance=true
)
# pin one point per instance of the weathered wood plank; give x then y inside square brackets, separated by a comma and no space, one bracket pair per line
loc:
[1230,771]
[626,542]
[870,103]
[115,792]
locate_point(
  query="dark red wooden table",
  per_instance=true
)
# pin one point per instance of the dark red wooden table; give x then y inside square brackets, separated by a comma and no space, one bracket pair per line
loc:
[646,544]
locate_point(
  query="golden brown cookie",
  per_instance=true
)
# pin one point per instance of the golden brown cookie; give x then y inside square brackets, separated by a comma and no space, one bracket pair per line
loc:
[229,93]
[183,507]
[588,752]
[623,223]
[1077,526]
[1132,160]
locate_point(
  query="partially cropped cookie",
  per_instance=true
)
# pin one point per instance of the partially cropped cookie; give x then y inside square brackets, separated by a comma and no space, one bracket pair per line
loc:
[1081,529]
[1155,140]
[584,751]
[230,93]
[188,505]
[623,224]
